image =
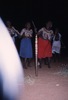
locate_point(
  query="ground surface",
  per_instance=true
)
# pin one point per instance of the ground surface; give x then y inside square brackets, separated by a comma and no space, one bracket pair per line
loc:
[50,84]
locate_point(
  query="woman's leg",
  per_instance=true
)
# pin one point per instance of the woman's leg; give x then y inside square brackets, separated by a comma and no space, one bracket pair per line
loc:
[29,61]
[49,60]
[24,62]
[46,61]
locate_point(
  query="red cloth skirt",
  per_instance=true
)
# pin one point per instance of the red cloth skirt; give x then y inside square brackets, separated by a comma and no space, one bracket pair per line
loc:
[44,48]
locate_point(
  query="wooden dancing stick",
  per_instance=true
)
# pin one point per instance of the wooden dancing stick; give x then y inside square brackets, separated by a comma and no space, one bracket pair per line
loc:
[35,29]
[36,55]
[36,50]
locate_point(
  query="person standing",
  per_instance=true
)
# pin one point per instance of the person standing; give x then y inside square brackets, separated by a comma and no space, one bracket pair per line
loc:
[26,51]
[56,45]
[13,32]
[44,43]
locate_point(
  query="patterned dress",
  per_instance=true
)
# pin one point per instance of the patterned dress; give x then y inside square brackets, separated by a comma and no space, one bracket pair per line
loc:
[56,46]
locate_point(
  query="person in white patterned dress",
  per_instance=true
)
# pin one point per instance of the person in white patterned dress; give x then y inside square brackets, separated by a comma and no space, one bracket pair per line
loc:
[56,45]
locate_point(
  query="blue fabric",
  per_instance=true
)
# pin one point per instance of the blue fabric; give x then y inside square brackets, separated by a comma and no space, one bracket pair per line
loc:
[26,48]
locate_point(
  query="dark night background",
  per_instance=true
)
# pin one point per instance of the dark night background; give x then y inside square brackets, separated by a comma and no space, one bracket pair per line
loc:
[39,11]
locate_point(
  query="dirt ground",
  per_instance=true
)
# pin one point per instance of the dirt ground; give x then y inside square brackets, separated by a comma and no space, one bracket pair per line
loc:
[50,84]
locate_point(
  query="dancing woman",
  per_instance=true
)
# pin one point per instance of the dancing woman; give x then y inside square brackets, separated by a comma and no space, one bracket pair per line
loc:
[26,45]
[44,42]
[13,32]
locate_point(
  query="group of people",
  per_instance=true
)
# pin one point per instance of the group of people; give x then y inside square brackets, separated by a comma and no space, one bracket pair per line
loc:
[11,71]
[49,43]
